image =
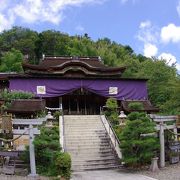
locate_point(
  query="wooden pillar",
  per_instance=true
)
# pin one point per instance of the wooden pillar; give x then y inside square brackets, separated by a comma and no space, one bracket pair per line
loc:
[69,102]
[77,105]
[85,104]
[60,102]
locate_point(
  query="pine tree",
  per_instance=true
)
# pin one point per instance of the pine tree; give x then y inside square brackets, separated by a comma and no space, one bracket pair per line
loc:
[136,149]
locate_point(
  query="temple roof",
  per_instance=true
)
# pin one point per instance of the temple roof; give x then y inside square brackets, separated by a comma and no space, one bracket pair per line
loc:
[72,67]
[29,106]
[5,76]
[147,106]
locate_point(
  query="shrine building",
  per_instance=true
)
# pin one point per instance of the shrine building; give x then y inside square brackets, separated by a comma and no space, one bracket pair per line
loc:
[79,85]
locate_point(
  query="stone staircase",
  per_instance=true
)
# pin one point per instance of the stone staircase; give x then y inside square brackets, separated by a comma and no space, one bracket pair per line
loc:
[88,143]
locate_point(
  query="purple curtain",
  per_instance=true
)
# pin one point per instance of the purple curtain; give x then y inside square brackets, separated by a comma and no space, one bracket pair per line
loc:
[124,89]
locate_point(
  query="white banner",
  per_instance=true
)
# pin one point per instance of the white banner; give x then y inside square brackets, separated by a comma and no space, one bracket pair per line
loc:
[113,90]
[41,89]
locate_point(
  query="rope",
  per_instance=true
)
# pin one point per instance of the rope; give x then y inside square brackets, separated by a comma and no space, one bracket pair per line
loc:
[11,140]
[53,109]
[178,134]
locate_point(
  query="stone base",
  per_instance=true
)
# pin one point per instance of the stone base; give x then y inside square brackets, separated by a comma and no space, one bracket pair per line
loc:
[154,166]
[33,175]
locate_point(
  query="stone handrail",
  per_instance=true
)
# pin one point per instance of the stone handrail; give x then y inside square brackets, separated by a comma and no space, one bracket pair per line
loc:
[114,139]
[61,132]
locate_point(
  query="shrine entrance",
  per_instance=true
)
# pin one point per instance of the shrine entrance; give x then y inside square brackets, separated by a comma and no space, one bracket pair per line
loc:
[80,101]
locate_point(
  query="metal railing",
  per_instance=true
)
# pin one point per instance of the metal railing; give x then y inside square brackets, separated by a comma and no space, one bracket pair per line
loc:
[115,143]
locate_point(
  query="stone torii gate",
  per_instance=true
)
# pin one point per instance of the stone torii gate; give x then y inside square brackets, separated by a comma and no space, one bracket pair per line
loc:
[161,126]
[31,131]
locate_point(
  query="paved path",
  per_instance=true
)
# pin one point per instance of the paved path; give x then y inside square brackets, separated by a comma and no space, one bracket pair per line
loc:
[108,175]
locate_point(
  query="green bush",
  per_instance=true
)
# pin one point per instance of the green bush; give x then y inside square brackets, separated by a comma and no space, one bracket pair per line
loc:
[136,115]
[8,96]
[63,164]
[56,114]
[46,149]
[136,106]
[112,110]
[137,150]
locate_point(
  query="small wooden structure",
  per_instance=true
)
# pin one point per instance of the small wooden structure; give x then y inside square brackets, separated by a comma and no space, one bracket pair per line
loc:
[26,107]
[146,104]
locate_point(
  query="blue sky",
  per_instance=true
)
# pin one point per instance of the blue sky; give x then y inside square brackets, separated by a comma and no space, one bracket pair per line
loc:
[150,27]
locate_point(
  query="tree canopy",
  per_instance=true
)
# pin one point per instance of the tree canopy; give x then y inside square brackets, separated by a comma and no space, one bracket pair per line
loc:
[163,84]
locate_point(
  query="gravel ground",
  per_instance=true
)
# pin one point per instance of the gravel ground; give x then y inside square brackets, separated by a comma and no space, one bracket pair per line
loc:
[170,172]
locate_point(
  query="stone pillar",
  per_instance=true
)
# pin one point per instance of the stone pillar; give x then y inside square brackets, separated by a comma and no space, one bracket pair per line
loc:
[162,150]
[154,165]
[32,152]
[175,132]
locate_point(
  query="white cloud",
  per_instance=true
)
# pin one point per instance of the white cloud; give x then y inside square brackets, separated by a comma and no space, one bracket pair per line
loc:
[125,1]
[150,50]
[3,4]
[145,24]
[170,33]
[36,11]
[178,8]
[178,67]
[5,23]
[147,32]
[170,59]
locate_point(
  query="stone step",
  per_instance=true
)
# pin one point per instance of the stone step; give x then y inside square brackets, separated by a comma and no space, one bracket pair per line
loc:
[88,150]
[94,143]
[95,129]
[95,167]
[81,116]
[86,139]
[92,156]
[88,143]
[82,120]
[90,131]
[94,159]
[85,135]
[70,131]
[91,144]
[88,146]
[86,126]
[94,162]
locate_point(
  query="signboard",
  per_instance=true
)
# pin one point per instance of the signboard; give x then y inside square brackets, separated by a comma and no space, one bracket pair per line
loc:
[113,90]
[41,89]
[6,123]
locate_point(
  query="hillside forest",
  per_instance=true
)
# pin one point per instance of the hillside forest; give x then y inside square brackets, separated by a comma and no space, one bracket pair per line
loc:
[163,83]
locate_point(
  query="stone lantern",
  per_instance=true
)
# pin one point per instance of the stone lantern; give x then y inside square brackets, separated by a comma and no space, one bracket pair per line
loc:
[122,118]
[49,119]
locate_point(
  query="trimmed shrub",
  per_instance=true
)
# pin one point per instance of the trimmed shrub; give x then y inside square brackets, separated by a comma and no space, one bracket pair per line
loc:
[112,111]
[137,151]
[136,106]
[63,165]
